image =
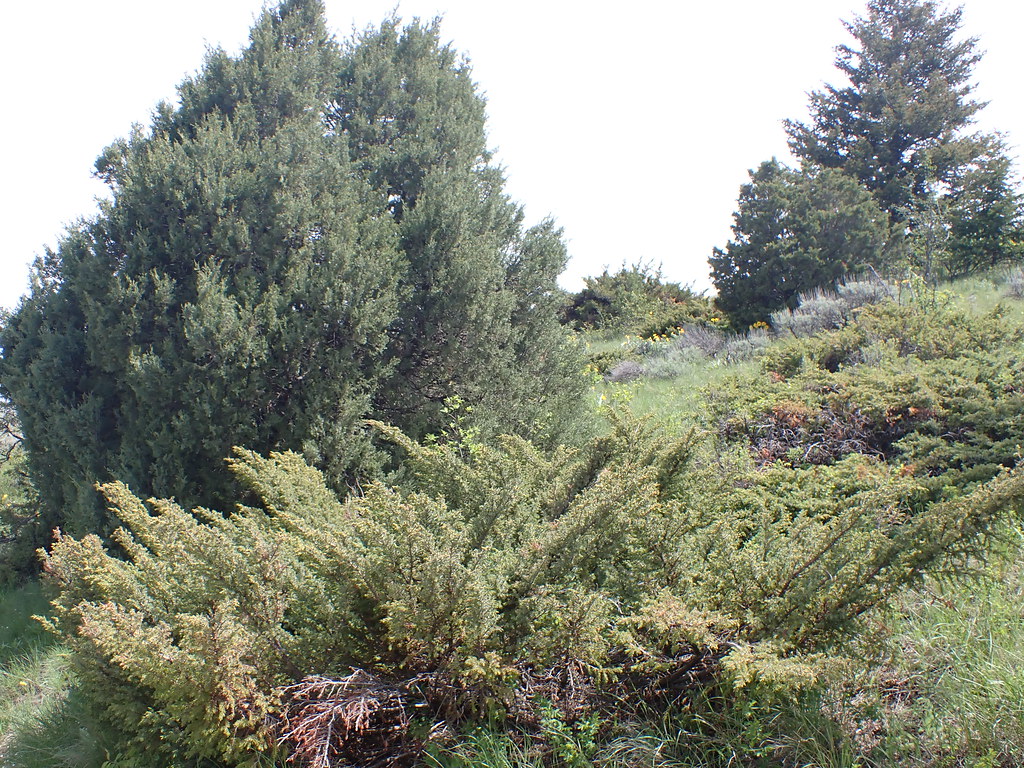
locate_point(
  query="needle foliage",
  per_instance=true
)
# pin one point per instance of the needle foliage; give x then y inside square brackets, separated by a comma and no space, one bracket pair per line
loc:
[314,234]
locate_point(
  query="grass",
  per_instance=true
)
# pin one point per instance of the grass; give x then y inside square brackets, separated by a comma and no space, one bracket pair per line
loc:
[962,647]
[485,749]
[674,394]
[44,723]
[672,390]
[19,632]
[677,400]
[983,293]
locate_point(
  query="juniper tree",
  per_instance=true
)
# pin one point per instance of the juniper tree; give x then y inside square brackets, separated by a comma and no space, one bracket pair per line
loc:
[312,236]
[236,288]
[793,232]
[903,127]
[478,318]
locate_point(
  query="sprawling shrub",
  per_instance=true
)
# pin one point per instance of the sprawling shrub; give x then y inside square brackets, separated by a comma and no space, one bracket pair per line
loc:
[706,339]
[634,300]
[643,567]
[825,310]
[625,370]
[939,391]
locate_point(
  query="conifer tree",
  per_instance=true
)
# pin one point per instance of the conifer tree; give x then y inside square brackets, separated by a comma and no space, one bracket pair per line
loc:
[314,235]
[236,289]
[793,231]
[478,318]
[903,127]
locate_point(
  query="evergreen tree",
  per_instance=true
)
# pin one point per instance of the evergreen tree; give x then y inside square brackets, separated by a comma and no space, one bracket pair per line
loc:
[902,126]
[237,289]
[478,318]
[985,222]
[793,232]
[313,236]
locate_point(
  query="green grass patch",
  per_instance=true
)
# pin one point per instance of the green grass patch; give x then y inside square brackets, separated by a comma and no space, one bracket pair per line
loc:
[19,631]
[941,681]
[680,399]
[44,723]
[962,648]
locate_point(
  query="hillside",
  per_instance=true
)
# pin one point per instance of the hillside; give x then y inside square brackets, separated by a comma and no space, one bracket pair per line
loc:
[308,460]
[912,396]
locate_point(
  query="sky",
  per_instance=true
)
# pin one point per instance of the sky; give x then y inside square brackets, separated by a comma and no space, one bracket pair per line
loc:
[632,124]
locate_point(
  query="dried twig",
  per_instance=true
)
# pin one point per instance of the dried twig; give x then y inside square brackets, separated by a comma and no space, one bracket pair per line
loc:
[357,720]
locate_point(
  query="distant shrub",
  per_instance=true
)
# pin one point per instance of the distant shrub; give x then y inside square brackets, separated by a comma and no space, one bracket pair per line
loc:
[625,370]
[667,357]
[634,300]
[707,339]
[671,361]
[746,346]
[494,584]
[826,310]
[829,351]
[1014,285]
[939,391]
[603,362]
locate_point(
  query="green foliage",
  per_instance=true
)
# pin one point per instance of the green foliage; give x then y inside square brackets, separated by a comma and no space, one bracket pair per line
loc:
[634,300]
[291,248]
[22,526]
[793,232]
[640,562]
[936,391]
[986,221]
[901,128]
[571,745]
[479,303]
[237,288]
[479,297]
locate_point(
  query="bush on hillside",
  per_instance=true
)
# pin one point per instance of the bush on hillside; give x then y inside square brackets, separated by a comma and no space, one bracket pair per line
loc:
[826,310]
[642,568]
[665,355]
[1014,287]
[940,392]
[635,300]
[689,347]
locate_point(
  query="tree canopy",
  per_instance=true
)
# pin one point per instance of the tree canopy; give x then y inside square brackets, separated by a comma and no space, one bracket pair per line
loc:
[479,293]
[793,231]
[312,236]
[903,127]
[898,124]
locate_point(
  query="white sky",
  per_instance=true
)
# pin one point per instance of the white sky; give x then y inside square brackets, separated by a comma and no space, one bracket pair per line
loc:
[633,124]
